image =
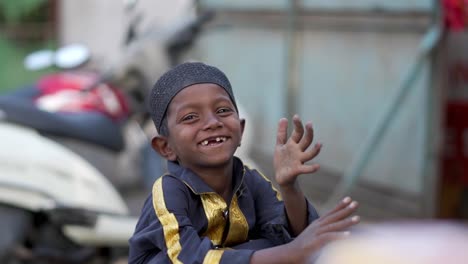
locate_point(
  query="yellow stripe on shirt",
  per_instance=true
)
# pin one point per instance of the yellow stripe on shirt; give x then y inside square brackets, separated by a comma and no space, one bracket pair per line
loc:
[213,256]
[239,227]
[214,205]
[168,222]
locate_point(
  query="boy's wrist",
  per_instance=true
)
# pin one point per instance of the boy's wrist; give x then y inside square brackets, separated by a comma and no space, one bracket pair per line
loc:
[284,254]
[295,253]
[289,187]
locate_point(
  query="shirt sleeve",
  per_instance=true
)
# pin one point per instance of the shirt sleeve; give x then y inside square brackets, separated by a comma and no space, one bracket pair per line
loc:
[165,234]
[255,244]
[272,222]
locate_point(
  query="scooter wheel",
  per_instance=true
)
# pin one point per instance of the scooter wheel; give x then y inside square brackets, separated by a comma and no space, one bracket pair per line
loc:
[15,223]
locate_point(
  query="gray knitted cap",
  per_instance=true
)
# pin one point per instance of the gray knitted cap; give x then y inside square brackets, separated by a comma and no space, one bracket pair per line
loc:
[178,78]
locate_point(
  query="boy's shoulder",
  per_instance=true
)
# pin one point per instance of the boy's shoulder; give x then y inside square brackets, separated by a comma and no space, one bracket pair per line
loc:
[254,174]
[258,182]
[168,183]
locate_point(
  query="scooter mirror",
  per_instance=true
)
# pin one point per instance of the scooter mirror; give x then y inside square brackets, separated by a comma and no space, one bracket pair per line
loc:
[71,56]
[39,60]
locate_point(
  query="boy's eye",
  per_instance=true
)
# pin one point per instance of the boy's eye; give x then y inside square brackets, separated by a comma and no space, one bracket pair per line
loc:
[224,110]
[189,117]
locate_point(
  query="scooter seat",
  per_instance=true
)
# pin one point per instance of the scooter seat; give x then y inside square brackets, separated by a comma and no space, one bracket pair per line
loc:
[91,127]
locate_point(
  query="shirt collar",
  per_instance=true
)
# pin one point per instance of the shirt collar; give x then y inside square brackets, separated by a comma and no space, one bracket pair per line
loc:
[196,184]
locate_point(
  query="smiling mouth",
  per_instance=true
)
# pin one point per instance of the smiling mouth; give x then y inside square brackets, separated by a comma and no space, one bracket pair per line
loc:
[213,141]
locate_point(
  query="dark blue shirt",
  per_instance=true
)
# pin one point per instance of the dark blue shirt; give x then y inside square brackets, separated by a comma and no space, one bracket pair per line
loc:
[185,221]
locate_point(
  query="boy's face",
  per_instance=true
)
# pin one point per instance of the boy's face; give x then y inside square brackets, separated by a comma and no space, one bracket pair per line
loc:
[204,127]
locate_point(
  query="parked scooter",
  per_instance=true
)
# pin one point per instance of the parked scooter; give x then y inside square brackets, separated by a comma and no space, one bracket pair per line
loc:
[67,142]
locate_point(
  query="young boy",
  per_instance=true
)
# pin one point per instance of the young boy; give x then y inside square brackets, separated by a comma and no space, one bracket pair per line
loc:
[211,208]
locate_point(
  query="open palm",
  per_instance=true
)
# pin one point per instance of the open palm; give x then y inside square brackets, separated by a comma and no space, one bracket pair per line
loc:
[292,153]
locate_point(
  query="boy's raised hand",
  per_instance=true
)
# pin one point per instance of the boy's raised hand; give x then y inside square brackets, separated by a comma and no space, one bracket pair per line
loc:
[292,153]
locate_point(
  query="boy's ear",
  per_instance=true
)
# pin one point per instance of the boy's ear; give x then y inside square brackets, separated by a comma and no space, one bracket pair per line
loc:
[161,145]
[242,124]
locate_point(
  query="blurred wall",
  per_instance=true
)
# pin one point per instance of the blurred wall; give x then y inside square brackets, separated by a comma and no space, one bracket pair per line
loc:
[348,59]
[337,64]
[102,24]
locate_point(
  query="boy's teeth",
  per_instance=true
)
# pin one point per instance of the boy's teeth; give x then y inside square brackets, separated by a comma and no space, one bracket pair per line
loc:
[218,139]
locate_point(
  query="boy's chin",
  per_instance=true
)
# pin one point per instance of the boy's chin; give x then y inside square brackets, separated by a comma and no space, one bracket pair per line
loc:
[217,162]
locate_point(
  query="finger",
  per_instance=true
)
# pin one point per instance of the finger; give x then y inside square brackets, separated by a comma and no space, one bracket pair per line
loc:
[298,131]
[307,138]
[341,214]
[312,153]
[307,169]
[322,240]
[282,134]
[342,204]
[329,237]
[341,225]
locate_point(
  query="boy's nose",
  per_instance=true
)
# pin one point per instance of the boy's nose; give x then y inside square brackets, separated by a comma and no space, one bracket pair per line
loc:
[212,122]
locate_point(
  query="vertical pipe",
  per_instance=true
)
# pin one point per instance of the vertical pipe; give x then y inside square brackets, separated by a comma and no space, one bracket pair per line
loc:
[429,163]
[291,71]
